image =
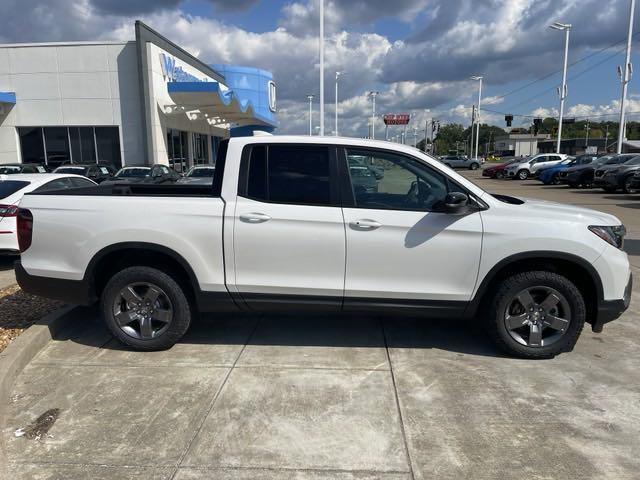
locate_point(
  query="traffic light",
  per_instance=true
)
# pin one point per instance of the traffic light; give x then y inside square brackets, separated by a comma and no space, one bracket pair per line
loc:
[508,119]
[537,123]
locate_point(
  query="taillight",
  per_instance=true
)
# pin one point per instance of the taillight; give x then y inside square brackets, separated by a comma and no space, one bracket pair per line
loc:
[25,228]
[8,210]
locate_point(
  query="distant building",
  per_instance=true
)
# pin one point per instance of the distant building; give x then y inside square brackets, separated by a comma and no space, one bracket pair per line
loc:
[519,144]
[577,146]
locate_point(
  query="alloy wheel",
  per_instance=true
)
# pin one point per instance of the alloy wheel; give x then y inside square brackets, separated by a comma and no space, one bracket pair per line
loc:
[537,316]
[142,310]
[628,188]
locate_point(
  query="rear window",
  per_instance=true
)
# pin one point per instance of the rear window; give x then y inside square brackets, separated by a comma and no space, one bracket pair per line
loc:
[9,187]
[7,169]
[76,170]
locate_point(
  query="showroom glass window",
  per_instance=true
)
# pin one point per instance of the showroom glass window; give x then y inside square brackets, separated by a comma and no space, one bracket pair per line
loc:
[54,146]
[177,149]
[295,175]
[200,151]
[386,180]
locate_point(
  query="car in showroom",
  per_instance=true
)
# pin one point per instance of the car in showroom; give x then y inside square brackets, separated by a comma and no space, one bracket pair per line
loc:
[551,175]
[14,168]
[199,174]
[529,166]
[96,172]
[144,174]
[498,171]
[460,161]
[617,177]
[583,175]
[12,189]
[283,228]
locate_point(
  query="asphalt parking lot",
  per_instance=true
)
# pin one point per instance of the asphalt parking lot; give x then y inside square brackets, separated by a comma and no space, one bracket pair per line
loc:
[346,398]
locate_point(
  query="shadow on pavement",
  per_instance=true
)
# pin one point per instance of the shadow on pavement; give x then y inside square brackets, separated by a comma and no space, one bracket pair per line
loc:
[632,247]
[339,331]
[6,262]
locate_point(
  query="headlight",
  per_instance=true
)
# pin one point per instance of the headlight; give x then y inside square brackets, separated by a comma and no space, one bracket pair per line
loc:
[612,235]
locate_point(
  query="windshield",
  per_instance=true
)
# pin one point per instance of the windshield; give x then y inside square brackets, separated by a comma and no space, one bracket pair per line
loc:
[76,170]
[9,187]
[201,172]
[134,172]
[9,169]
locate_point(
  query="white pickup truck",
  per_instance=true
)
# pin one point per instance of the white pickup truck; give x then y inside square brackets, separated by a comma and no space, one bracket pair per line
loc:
[286,227]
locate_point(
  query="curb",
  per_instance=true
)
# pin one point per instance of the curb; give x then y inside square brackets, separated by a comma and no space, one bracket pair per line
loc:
[17,356]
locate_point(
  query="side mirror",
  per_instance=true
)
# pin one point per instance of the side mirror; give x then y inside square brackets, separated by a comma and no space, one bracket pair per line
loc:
[456,203]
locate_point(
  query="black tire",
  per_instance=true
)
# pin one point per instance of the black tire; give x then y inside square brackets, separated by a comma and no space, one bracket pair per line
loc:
[522,174]
[609,189]
[505,294]
[586,181]
[172,293]
[474,166]
[626,186]
[500,175]
[555,180]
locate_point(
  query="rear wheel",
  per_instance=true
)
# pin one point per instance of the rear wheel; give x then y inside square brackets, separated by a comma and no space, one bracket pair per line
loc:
[500,175]
[627,187]
[609,189]
[145,308]
[536,314]
[586,181]
[474,166]
[555,180]
[523,174]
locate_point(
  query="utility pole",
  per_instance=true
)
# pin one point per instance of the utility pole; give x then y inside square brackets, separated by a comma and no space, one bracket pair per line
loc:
[479,79]
[310,98]
[373,96]
[606,140]
[321,67]
[587,137]
[426,130]
[562,91]
[336,126]
[625,76]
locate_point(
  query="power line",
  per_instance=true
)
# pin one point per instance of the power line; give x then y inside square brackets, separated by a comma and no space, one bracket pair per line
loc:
[549,75]
[598,115]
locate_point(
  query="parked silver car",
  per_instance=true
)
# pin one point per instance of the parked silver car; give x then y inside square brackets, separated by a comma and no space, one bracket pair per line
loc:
[460,161]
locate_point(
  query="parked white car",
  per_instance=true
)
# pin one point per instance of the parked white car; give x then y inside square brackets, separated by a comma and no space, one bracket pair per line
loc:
[285,227]
[12,189]
[530,165]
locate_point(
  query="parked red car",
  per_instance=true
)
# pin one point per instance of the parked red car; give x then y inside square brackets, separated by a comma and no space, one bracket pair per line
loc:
[497,171]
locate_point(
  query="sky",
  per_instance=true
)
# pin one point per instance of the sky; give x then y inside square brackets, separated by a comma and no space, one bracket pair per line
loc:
[419,54]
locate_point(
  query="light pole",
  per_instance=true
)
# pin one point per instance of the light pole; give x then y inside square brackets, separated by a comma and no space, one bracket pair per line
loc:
[321,67]
[310,98]
[625,77]
[562,91]
[336,124]
[586,127]
[373,96]
[479,79]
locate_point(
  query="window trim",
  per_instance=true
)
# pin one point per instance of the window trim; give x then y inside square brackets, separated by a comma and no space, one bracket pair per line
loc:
[334,177]
[348,198]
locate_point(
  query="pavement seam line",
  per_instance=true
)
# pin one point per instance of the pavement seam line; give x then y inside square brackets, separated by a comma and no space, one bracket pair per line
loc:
[214,400]
[397,399]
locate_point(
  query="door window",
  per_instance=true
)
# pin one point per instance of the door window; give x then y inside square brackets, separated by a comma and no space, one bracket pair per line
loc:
[290,174]
[58,184]
[395,182]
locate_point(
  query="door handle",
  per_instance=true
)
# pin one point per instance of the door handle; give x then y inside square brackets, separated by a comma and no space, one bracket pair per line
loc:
[255,217]
[364,224]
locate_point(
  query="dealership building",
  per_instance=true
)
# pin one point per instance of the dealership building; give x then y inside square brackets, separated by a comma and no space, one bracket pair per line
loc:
[140,102]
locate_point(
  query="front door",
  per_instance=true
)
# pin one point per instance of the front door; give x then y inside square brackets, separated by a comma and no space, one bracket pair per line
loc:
[289,241]
[401,247]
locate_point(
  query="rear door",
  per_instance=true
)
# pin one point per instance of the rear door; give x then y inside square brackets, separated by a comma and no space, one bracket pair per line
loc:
[289,235]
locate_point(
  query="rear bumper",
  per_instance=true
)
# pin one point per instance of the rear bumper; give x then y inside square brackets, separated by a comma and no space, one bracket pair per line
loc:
[610,310]
[76,292]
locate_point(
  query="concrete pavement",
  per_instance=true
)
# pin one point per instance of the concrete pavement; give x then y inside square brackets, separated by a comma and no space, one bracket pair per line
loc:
[326,398]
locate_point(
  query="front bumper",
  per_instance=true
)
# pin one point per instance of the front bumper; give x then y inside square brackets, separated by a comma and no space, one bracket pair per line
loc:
[606,181]
[610,310]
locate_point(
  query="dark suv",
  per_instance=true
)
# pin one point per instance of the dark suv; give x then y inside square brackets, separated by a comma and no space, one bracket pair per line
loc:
[583,175]
[617,177]
[97,173]
[11,168]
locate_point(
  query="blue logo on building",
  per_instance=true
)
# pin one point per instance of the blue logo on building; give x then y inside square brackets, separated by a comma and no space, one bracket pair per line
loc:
[175,73]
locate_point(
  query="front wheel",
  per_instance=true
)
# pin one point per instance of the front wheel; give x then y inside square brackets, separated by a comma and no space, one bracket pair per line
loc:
[523,174]
[536,314]
[145,308]
[628,186]
[500,175]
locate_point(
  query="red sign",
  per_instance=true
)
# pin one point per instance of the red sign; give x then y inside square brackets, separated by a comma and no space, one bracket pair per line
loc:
[396,119]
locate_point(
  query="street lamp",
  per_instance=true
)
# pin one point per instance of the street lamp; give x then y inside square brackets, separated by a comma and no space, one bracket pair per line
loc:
[625,77]
[310,98]
[478,79]
[372,96]
[336,123]
[562,91]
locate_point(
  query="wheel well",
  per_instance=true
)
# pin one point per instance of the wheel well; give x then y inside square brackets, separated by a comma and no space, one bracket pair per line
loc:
[115,261]
[581,277]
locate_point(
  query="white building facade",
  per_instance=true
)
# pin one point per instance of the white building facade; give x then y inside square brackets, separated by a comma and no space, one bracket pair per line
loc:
[140,102]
